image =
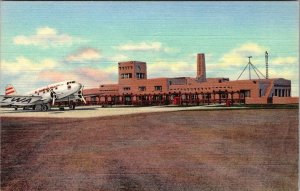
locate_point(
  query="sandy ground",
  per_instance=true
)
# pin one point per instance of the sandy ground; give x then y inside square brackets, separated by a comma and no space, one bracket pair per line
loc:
[184,150]
[98,111]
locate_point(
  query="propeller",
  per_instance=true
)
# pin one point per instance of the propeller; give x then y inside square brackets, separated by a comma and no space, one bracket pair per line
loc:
[80,94]
[53,96]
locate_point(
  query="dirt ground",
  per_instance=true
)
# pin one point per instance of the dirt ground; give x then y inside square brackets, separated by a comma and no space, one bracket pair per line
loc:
[183,150]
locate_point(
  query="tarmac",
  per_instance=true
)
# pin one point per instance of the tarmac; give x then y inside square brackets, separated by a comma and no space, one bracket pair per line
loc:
[234,149]
[99,111]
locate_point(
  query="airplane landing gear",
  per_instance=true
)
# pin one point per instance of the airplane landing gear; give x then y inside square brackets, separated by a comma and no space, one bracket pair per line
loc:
[45,107]
[41,107]
[72,106]
[38,107]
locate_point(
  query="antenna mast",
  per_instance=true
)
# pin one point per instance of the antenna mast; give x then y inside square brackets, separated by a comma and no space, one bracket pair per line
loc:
[249,64]
[267,65]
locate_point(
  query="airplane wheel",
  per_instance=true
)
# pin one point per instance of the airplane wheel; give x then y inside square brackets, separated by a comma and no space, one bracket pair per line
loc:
[16,108]
[72,106]
[38,107]
[44,108]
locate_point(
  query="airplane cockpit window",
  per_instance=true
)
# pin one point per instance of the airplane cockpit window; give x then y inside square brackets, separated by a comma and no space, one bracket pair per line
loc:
[71,82]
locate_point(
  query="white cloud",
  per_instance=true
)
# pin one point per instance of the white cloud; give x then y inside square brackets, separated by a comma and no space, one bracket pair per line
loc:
[144,46]
[239,56]
[23,73]
[85,55]
[283,61]
[171,69]
[23,64]
[46,31]
[47,37]
[118,58]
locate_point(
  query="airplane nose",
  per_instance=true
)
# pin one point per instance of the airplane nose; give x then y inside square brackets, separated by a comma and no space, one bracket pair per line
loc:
[79,85]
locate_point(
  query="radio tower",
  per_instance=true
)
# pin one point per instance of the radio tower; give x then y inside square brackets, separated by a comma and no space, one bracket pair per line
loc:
[249,66]
[267,65]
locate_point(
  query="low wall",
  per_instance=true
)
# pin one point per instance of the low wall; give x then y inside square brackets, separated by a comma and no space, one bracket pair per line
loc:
[285,100]
[260,100]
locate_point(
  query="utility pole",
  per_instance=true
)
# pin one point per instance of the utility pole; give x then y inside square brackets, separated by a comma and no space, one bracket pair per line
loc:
[267,65]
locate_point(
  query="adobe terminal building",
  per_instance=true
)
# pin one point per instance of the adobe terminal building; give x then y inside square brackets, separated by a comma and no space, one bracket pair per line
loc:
[134,88]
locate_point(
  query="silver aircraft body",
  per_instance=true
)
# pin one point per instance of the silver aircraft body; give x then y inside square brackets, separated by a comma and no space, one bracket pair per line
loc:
[42,98]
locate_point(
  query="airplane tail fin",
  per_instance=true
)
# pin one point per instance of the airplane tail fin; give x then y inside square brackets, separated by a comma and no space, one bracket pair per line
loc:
[10,90]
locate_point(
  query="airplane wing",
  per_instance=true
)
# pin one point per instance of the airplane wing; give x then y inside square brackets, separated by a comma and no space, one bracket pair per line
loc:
[13,100]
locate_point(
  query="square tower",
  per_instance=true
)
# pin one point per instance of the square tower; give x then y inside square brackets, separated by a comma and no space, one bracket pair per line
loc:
[132,70]
[201,71]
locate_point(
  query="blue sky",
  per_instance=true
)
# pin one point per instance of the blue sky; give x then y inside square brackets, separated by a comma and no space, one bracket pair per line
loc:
[44,42]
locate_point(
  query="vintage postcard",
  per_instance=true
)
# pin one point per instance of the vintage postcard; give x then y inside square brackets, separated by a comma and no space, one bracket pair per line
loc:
[158,95]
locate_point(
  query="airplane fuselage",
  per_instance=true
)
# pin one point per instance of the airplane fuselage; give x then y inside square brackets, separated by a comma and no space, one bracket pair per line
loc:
[61,89]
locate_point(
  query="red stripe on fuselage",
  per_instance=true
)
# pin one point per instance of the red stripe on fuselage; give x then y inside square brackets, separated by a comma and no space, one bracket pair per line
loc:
[9,88]
[7,93]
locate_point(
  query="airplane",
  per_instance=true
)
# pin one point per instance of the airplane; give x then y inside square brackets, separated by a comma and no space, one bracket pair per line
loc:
[42,98]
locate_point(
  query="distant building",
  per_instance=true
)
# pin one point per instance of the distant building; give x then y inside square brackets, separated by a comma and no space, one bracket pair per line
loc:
[135,88]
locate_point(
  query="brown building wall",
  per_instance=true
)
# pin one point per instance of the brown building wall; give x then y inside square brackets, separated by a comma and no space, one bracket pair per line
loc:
[131,70]
[145,86]
[286,100]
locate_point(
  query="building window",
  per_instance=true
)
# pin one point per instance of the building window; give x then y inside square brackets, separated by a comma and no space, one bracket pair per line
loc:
[127,75]
[276,92]
[142,88]
[158,88]
[140,75]
[157,97]
[126,88]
